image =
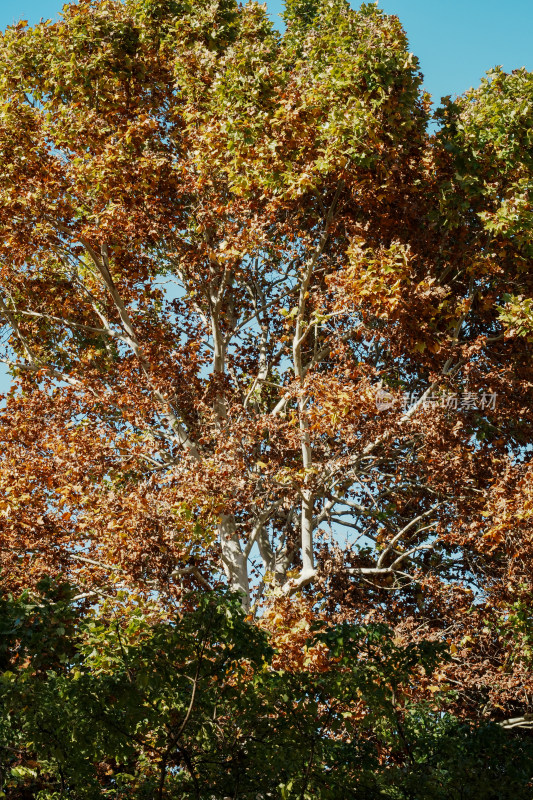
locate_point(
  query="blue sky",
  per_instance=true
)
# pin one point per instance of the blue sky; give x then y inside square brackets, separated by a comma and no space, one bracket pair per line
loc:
[456,41]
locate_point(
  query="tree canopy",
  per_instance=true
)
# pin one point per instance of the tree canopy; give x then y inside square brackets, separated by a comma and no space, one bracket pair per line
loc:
[127,704]
[269,329]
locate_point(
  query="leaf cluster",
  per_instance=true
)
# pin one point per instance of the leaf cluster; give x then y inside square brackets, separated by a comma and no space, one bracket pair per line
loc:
[121,702]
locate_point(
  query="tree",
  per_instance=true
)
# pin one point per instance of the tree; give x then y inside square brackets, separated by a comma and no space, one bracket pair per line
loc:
[132,704]
[266,329]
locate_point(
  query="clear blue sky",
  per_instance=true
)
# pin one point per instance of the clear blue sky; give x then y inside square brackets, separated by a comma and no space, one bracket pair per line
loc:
[457,41]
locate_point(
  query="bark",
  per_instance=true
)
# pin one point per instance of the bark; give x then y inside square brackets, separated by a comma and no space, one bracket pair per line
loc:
[234,561]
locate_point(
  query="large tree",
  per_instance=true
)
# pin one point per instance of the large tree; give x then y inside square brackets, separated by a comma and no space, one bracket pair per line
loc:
[265,327]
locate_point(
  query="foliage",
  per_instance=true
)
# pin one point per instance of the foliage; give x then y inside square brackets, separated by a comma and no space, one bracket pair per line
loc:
[126,704]
[269,332]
